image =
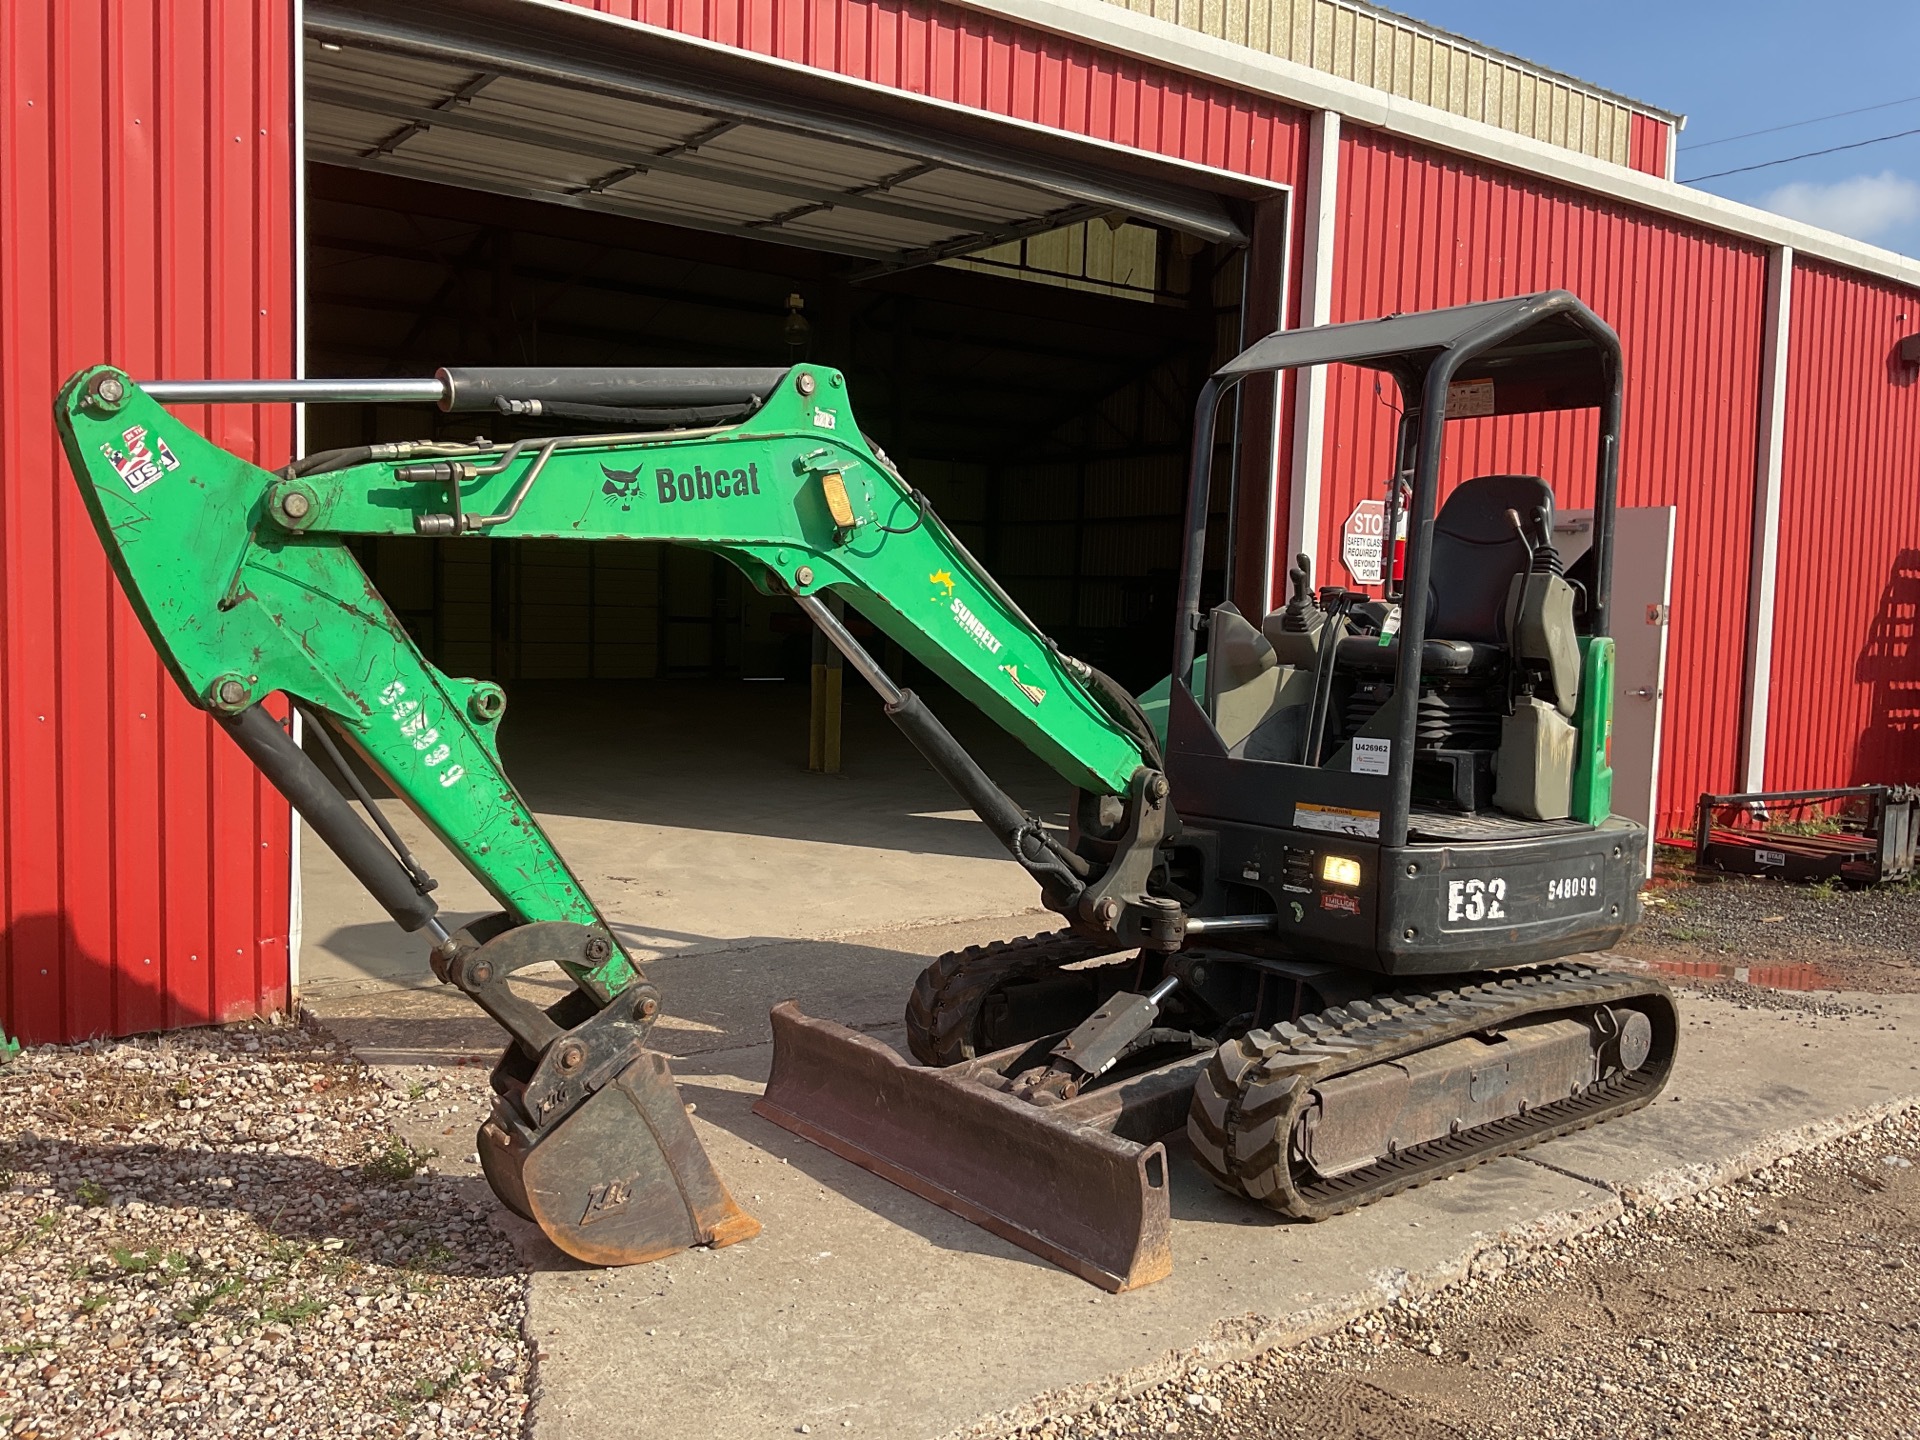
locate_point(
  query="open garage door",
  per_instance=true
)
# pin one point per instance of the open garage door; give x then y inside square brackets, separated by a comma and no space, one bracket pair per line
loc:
[1024,321]
[577,112]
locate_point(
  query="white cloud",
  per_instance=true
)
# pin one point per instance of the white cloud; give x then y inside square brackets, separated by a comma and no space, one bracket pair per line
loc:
[1865,206]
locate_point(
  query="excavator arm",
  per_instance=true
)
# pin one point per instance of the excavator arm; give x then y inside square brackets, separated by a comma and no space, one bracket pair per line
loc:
[243,579]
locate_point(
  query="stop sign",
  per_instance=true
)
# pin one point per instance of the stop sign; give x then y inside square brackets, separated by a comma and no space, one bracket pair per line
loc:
[1362,541]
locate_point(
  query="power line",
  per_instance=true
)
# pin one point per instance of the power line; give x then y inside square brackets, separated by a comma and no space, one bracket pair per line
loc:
[1805,155]
[1796,124]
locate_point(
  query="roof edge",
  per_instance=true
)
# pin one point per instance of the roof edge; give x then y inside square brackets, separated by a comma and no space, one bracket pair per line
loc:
[1507,57]
[1160,42]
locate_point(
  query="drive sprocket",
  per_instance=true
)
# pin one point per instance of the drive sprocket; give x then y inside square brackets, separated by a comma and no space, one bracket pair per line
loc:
[948,1018]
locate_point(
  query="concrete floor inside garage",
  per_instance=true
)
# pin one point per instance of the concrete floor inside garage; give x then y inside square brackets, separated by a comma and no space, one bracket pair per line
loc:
[687,812]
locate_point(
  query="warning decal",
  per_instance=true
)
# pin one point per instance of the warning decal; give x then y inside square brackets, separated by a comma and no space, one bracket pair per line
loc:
[1337,820]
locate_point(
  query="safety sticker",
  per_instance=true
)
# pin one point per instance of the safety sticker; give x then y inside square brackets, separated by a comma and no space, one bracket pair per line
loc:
[825,420]
[136,464]
[1337,820]
[1468,398]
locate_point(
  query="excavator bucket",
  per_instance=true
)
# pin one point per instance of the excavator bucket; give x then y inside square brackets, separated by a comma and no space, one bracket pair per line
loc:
[1082,1184]
[620,1181]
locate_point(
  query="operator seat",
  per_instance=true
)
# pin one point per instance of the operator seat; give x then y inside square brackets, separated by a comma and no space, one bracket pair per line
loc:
[1476,554]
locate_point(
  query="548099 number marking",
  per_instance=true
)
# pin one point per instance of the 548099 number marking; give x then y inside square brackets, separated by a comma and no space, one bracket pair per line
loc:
[1573,887]
[424,738]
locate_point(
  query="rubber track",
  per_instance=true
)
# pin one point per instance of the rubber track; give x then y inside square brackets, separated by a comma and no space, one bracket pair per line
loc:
[948,996]
[1247,1103]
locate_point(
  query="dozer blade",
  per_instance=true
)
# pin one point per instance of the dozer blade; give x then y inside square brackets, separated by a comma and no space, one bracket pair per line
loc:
[1064,1182]
[621,1180]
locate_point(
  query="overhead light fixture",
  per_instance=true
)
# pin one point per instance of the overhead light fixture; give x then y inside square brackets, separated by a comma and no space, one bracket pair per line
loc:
[797,330]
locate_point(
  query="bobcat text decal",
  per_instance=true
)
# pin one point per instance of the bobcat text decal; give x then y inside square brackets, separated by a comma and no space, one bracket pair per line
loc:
[699,483]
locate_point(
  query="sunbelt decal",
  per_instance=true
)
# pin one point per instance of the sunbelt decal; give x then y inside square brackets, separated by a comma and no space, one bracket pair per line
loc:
[975,626]
[942,581]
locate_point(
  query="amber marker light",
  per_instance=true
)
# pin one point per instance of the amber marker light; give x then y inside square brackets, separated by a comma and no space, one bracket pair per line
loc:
[838,505]
[1339,870]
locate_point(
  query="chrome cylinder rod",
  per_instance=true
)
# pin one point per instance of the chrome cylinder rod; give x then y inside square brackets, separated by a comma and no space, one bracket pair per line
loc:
[430,390]
[856,653]
[1230,924]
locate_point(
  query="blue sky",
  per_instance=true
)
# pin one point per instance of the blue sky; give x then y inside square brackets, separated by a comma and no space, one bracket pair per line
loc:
[1733,66]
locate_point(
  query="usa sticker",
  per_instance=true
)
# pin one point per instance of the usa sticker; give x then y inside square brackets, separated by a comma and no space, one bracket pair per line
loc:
[136,464]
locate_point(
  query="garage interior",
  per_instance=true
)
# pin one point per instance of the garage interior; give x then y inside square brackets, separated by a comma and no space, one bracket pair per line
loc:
[1024,328]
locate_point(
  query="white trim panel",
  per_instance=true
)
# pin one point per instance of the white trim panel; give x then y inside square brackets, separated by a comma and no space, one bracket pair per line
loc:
[1279,398]
[296,898]
[1316,308]
[1775,347]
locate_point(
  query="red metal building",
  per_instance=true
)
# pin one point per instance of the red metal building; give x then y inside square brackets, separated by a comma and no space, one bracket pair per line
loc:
[150,215]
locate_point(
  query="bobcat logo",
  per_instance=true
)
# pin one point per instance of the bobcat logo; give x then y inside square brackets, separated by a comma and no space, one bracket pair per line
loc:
[622,485]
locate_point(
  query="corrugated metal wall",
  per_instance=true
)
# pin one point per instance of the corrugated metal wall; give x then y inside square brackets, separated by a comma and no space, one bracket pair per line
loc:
[1846,670]
[1420,229]
[972,59]
[146,187]
[1647,151]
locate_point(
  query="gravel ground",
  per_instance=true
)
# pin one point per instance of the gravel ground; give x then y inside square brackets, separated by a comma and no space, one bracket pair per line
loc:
[220,1233]
[1796,937]
[1787,1305]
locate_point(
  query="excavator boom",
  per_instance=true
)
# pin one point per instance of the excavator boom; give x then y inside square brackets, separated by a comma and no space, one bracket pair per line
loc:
[244,581]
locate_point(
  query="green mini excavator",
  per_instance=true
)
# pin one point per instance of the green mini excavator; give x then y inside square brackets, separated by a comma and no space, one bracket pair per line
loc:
[1319,895]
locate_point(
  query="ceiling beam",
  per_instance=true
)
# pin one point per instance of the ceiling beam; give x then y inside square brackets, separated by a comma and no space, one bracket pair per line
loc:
[448,115]
[589,51]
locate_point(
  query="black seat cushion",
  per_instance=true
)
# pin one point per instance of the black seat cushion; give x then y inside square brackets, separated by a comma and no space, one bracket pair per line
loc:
[1437,657]
[1476,554]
